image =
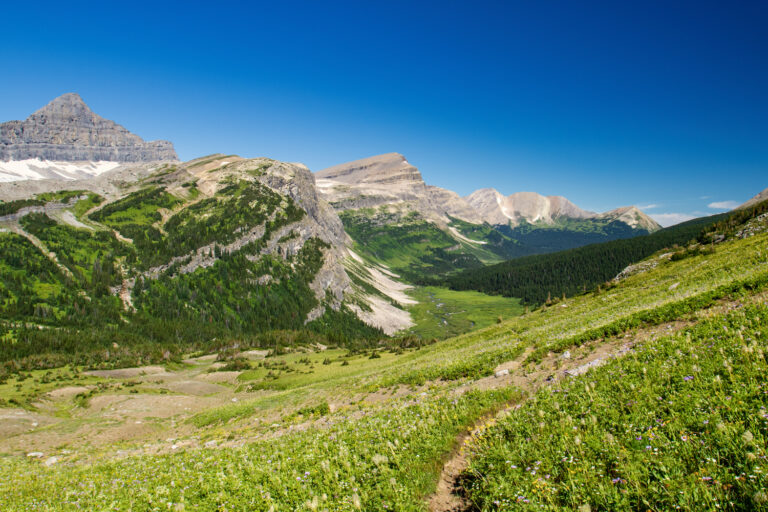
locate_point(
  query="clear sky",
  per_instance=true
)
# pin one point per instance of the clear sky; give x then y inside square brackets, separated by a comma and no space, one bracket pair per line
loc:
[659,104]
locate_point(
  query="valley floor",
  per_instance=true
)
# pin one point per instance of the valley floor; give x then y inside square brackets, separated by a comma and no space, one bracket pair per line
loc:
[541,411]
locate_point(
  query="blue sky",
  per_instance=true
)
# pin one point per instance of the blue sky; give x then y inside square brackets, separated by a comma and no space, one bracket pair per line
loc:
[607,103]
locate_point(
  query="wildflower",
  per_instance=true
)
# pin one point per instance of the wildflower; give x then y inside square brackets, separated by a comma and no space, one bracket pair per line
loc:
[684,438]
[747,437]
[688,377]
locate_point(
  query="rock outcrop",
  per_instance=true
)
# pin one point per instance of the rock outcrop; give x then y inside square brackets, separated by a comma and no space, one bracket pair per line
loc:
[67,130]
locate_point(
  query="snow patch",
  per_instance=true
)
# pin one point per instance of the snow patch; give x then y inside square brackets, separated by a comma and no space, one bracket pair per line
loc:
[36,169]
[385,284]
[383,315]
[455,232]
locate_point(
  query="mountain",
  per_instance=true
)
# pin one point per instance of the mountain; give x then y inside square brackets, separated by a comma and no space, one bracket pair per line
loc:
[421,230]
[389,179]
[214,248]
[530,207]
[632,216]
[759,198]
[66,130]
[645,395]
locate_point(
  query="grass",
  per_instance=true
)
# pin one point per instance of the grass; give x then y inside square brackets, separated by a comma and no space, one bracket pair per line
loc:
[365,455]
[442,313]
[22,390]
[406,243]
[681,424]
[387,459]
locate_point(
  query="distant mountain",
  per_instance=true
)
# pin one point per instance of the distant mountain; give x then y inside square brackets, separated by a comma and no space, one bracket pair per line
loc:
[759,198]
[390,179]
[420,229]
[66,130]
[530,207]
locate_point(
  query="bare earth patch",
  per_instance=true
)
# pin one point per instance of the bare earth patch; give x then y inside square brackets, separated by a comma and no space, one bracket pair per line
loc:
[127,373]
[219,377]
[17,421]
[193,387]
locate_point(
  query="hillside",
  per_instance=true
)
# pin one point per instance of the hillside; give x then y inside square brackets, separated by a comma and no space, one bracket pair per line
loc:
[536,279]
[215,248]
[643,395]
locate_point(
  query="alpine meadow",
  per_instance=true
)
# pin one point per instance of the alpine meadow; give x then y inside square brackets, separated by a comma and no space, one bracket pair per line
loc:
[555,298]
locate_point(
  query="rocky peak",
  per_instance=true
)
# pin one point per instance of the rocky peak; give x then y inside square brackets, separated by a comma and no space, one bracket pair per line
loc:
[66,129]
[68,107]
[382,170]
[496,208]
[633,217]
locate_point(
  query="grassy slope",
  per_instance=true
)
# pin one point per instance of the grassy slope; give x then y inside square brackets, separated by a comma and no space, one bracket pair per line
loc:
[389,454]
[679,424]
[442,313]
[408,244]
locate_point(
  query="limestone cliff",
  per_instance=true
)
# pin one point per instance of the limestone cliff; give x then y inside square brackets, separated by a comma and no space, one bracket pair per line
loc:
[67,130]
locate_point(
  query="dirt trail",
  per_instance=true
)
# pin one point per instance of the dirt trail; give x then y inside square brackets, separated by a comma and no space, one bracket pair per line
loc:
[529,379]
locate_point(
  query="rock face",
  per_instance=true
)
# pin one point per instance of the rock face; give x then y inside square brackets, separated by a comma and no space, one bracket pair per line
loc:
[633,217]
[67,130]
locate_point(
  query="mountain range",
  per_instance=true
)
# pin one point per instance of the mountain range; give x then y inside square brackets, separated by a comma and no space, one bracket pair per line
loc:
[390,179]
[148,238]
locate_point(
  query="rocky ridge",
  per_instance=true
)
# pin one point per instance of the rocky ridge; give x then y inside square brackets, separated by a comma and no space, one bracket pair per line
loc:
[389,179]
[67,130]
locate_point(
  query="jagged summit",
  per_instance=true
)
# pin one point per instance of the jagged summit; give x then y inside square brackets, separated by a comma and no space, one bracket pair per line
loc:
[497,209]
[632,216]
[67,130]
